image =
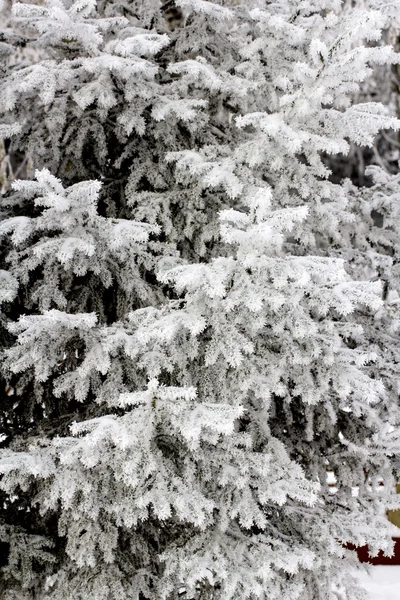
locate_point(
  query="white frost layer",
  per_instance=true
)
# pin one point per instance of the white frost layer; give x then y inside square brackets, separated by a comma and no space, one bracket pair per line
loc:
[382,582]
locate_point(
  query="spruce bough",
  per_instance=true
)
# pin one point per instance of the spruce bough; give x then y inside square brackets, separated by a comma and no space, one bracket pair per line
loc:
[184,297]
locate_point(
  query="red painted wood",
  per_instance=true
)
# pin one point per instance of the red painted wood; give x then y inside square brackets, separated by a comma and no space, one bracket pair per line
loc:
[363,556]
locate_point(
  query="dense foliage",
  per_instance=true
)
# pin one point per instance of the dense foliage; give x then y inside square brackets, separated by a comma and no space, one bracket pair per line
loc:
[197,314]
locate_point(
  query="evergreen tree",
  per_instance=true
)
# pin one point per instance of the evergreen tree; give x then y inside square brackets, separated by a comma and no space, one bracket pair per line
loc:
[183,352]
[383,86]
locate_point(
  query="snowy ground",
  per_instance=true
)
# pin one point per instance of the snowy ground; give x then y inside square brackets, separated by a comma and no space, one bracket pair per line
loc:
[383,583]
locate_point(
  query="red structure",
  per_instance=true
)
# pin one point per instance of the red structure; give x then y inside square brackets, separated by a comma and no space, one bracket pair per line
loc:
[362,553]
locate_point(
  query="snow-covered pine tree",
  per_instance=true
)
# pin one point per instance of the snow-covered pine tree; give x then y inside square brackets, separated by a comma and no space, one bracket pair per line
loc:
[373,254]
[181,368]
[382,85]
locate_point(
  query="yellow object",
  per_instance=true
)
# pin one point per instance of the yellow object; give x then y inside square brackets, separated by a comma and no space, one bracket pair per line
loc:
[394,515]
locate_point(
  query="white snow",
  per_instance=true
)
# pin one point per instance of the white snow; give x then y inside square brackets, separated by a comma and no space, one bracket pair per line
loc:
[382,582]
